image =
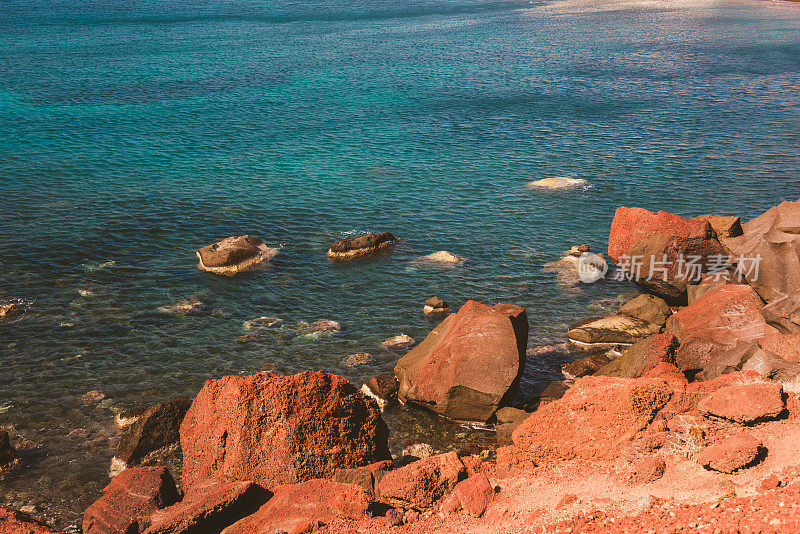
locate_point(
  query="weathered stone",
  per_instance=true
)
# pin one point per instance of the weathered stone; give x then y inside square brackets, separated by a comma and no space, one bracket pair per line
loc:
[361,358]
[383,388]
[421,483]
[724,225]
[235,255]
[731,454]
[647,307]
[468,364]
[323,326]
[366,477]
[273,429]
[155,428]
[435,306]
[553,391]
[507,420]
[708,282]
[648,469]
[129,500]
[643,316]
[475,494]
[745,403]
[17,522]
[262,322]
[361,246]
[558,183]
[770,365]
[642,357]
[584,366]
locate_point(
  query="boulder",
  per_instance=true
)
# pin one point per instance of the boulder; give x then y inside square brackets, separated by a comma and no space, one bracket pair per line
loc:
[435,306]
[129,500]
[708,282]
[210,507]
[731,454]
[299,508]
[273,429]
[382,388]
[559,183]
[506,421]
[553,391]
[650,237]
[441,257]
[401,341]
[643,316]
[786,346]
[8,454]
[420,484]
[361,246]
[642,357]
[366,477]
[16,522]
[593,419]
[648,469]
[774,237]
[584,366]
[724,226]
[745,403]
[474,494]
[784,313]
[771,366]
[469,364]
[155,428]
[323,326]
[235,255]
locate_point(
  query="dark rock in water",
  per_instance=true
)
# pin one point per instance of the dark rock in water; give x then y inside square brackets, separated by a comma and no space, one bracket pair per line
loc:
[649,237]
[435,306]
[383,388]
[360,246]
[188,307]
[273,429]
[235,255]
[252,338]
[210,507]
[401,341]
[361,358]
[17,522]
[642,356]
[8,454]
[92,397]
[641,317]
[128,417]
[304,506]
[156,428]
[554,391]
[508,419]
[129,500]
[584,366]
[469,364]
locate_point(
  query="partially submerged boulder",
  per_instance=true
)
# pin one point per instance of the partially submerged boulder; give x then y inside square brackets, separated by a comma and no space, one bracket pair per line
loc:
[421,483]
[129,500]
[382,388]
[731,454]
[745,403]
[585,366]
[235,255]
[188,307]
[468,364]
[273,429]
[442,257]
[299,508]
[361,246]
[16,522]
[648,237]
[642,357]
[435,307]
[643,316]
[401,341]
[558,183]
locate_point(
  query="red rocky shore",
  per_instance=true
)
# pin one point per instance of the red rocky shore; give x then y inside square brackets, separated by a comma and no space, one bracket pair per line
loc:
[684,415]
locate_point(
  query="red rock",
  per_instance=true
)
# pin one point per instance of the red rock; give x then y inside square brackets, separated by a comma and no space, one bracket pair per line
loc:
[421,483]
[468,364]
[566,500]
[771,482]
[475,494]
[296,508]
[366,477]
[787,346]
[642,357]
[715,330]
[129,500]
[745,403]
[637,232]
[648,469]
[731,454]
[273,429]
[210,507]
[593,419]
[513,459]
[16,522]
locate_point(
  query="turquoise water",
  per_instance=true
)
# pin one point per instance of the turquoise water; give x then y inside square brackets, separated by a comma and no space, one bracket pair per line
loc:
[136,132]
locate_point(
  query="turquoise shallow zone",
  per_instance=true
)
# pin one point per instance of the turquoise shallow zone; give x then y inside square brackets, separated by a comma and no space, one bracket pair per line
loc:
[136,132]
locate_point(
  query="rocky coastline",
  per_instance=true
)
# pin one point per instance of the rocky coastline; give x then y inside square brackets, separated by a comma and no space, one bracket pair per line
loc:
[681,414]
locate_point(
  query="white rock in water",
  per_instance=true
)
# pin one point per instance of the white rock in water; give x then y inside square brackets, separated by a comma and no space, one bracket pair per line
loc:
[558,183]
[442,257]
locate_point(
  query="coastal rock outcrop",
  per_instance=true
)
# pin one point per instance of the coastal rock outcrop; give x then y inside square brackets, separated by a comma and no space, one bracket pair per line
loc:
[643,316]
[421,483]
[361,246]
[273,429]
[235,255]
[468,364]
[584,366]
[640,241]
[129,500]
[16,522]
[642,357]
[301,507]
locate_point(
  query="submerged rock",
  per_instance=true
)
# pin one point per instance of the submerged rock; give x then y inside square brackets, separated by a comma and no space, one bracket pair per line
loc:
[362,358]
[252,338]
[323,326]
[8,454]
[361,246]
[441,257]
[262,322]
[401,341]
[235,255]
[187,307]
[273,429]
[8,311]
[435,307]
[559,183]
[468,364]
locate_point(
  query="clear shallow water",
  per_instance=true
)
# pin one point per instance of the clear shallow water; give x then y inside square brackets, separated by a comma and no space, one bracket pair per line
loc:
[138,132]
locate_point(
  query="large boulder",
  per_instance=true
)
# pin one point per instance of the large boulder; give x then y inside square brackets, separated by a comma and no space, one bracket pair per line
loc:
[155,428]
[235,255]
[642,357]
[360,246]
[593,419]
[643,316]
[469,364]
[210,507]
[16,522]
[717,330]
[129,500]
[736,452]
[774,237]
[745,403]
[302,507]
[421,483]
[273,429]
[648,237]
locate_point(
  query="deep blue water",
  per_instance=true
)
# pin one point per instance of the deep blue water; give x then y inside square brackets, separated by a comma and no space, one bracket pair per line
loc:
[136,132]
